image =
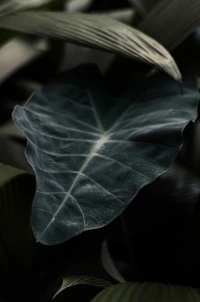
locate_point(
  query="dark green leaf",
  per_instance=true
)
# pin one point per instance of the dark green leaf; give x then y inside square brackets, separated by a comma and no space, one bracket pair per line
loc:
[7,173]
[92,153]
[82,280]
[109,264]
[16,238]
[96,31]
[163,25]
[148,292]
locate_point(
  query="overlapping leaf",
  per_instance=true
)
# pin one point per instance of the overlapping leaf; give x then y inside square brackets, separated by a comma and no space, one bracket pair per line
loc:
[163,25]
[143,292]
[92,153]
[96,31]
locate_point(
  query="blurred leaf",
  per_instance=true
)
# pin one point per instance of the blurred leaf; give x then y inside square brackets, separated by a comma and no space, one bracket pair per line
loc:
[76,140]
[82,280]
[96,31]
[7,173]
[144,6]
[17,53]
[147,292]
[13,6]
[12,146]
[163,25]
[16,238]
[78,5]
[109,264]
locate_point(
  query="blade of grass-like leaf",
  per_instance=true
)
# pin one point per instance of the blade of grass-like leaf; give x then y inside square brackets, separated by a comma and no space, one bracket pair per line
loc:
[17,53]
[163,24]
[11,6]
[109,264]
[96,31]
[82,280]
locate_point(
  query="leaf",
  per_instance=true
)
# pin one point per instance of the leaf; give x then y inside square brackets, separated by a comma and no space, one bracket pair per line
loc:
[92,153]
[7,173]
[96,31]
[163,25]
[143,292]
[82,280]
[13,6]
[16,237]
[109,264]
[17,53]
[144,6]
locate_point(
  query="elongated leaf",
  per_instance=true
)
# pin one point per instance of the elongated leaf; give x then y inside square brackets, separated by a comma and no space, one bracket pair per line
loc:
[96,31]
[109,264]
[17,53]
[16,237]
[163,25]
[12,6]
[143,292]
[143,6]
[82,280]
[7,173]
[92,153]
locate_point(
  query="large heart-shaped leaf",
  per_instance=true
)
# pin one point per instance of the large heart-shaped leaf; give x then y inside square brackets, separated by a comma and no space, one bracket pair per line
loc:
[92,153]
[151,292]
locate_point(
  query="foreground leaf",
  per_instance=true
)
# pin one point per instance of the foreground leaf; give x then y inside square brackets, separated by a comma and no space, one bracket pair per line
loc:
[143,292]
[163,25]
[82,280]
[92,153]
[96,31]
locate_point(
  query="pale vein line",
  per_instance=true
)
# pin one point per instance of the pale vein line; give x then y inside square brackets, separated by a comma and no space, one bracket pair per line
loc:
[135,142]
[66,115]
[102,187]
[120,163]
[64,98]
[78,205]
[99,123]
[122,116]
[58,138]
[94,149]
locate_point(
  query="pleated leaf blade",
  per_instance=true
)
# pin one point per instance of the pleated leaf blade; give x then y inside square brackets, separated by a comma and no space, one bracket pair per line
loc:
[95,31]
[142,292]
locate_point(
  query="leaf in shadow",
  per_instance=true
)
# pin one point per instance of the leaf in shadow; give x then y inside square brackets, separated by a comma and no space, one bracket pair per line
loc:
[82,280]
[142,292]
[16,238]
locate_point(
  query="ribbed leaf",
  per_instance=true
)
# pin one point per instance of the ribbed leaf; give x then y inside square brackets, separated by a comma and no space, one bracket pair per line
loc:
[82,280]
[151,292]
[96,31]
[92,153]
[163,25]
